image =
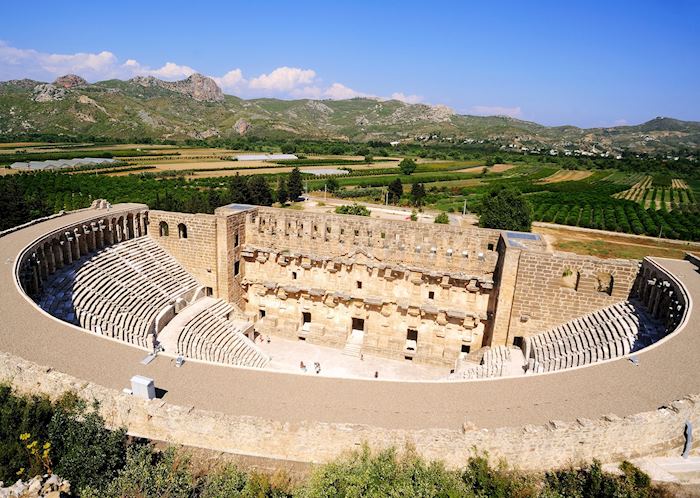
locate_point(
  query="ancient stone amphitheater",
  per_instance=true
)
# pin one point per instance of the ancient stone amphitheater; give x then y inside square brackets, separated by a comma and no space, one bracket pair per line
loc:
[546,357]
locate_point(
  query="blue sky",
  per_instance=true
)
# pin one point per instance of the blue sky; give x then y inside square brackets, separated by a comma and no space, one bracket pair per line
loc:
[581,63]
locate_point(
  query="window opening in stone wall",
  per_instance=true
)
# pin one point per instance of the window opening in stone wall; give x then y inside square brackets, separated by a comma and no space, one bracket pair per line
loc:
[605,283]
[182,230]
[236,268]
[465,348]
[164,229]
[359,284]
[235,239]
[294,275]
[431,294]
[489,247]
[261,313]
[411,340]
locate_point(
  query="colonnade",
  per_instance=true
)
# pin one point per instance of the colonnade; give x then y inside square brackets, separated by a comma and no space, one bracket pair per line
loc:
[69,244]
[660,296]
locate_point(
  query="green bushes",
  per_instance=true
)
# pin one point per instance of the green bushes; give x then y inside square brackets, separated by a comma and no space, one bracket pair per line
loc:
[103,463]
[442,219]
[355,210]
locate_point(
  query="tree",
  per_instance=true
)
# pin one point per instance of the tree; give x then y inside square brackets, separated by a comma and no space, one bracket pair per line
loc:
[395,191]
[407,166]
[259,191]
[332,185]
[442,218]
[237,190]
[90,454]
[505,208]
[288,148]
[417,194]
[295,185]
[282,194]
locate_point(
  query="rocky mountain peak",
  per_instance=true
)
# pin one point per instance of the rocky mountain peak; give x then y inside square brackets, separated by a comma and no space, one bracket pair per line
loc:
[196,86]
[69,81]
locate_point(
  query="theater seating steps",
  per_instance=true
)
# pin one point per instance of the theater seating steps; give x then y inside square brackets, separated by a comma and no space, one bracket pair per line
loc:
[118,291]
[608,333]
[209,335]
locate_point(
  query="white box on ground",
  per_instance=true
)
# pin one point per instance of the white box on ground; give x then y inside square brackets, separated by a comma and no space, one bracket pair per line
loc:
[143,387]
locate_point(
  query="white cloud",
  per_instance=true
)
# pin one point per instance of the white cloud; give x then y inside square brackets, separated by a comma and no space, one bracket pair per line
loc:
[283,82]
[21,63]
[486,110]
[409,99]
[283,79]
[231,81]
[169,71]
[338,91]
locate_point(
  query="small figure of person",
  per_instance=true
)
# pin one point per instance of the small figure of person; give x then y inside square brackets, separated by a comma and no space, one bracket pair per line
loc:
[376,374]
[302,366]
[268,339]
[362,357]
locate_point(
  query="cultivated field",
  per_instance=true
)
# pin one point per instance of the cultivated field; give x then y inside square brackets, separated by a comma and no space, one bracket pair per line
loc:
[564,175]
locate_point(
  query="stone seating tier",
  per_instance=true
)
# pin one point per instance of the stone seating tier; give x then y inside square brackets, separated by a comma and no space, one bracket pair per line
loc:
[118,291]
[211,336]
[614,331]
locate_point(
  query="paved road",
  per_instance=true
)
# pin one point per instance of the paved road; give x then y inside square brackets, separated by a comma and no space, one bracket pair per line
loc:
[664,373]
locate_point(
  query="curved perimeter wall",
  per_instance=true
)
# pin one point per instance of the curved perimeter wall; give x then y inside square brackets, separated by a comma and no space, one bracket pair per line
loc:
[608,438]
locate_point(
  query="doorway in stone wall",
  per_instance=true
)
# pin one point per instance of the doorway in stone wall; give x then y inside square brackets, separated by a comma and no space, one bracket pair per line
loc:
[353,346]
[306,321]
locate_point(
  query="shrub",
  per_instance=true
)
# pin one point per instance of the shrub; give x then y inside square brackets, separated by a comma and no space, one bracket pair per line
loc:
[88,453]
[442,218]
[355,209]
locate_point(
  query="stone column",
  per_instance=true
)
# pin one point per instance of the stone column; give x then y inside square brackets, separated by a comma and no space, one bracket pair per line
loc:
[41,261]
[57,253]
[66,249]
[74,245]
[50,261]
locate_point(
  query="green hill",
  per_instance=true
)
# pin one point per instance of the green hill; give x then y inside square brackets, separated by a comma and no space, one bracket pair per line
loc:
[196,108]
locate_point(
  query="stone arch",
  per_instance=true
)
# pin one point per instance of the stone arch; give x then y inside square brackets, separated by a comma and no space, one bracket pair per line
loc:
[130,232]
[164,229]
[120,229]
[181,231]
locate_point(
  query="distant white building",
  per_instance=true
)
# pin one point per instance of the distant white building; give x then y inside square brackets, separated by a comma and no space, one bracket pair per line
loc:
[265,157]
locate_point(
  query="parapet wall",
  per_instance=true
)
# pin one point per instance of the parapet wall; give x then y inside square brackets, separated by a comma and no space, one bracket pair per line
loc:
[551,289]
[446,247]
[611,438]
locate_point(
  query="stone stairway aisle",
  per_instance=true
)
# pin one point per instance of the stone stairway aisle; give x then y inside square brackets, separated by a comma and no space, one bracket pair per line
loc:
[353,346]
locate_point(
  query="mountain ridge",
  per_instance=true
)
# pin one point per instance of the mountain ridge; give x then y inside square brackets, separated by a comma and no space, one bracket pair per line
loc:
[147,107]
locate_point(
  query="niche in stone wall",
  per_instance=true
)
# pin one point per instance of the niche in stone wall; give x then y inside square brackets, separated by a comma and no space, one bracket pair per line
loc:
[570,278]
[605,282]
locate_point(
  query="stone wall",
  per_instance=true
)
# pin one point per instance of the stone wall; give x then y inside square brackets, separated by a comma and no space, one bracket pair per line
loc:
[446,247]
[551,289]
[197,252]
[446,312]
[658,432]
[230,237]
